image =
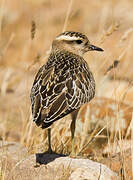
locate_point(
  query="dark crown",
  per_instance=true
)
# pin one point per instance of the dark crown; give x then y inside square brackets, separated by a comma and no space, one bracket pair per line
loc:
[73,34]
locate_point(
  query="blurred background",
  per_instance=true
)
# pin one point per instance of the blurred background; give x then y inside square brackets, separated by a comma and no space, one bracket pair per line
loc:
[27,29]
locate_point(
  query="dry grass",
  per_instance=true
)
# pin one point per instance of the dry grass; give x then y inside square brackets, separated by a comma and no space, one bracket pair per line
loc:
[26,32]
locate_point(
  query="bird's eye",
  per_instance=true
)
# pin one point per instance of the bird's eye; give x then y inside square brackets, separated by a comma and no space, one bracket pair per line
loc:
[79,41]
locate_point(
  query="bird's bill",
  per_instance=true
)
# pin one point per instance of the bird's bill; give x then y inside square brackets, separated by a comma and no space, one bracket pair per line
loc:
[94,48]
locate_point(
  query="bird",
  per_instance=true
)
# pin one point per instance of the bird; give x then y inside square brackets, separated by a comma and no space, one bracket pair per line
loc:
[64,83]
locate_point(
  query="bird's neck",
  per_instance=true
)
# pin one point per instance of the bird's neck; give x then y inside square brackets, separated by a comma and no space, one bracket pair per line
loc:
[71,52]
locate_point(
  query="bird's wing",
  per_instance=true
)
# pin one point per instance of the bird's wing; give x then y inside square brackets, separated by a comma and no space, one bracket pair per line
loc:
[39,86]
[48,96]
[55,95]
[80,88]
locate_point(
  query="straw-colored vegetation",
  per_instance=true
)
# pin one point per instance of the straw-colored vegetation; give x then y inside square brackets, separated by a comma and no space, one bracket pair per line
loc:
[27,29]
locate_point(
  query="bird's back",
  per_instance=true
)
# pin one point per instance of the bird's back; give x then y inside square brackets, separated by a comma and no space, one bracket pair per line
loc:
[61,86]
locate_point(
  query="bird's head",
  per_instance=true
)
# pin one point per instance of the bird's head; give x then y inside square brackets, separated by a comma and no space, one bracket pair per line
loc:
[74,42]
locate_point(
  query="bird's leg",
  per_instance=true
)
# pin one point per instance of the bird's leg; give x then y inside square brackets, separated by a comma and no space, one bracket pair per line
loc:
[49,141]
[74,117]
[72,135]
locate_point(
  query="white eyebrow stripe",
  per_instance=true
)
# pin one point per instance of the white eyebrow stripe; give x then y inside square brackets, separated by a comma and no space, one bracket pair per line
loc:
[63,37]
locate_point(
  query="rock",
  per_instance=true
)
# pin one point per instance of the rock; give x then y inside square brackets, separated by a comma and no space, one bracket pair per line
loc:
[105,112]
[121,163]
[10,154]
[55,166]
[15,150]
[118,90]
[117,147]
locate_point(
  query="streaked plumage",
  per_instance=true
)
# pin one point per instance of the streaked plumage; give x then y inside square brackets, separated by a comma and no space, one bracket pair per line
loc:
[65,82]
